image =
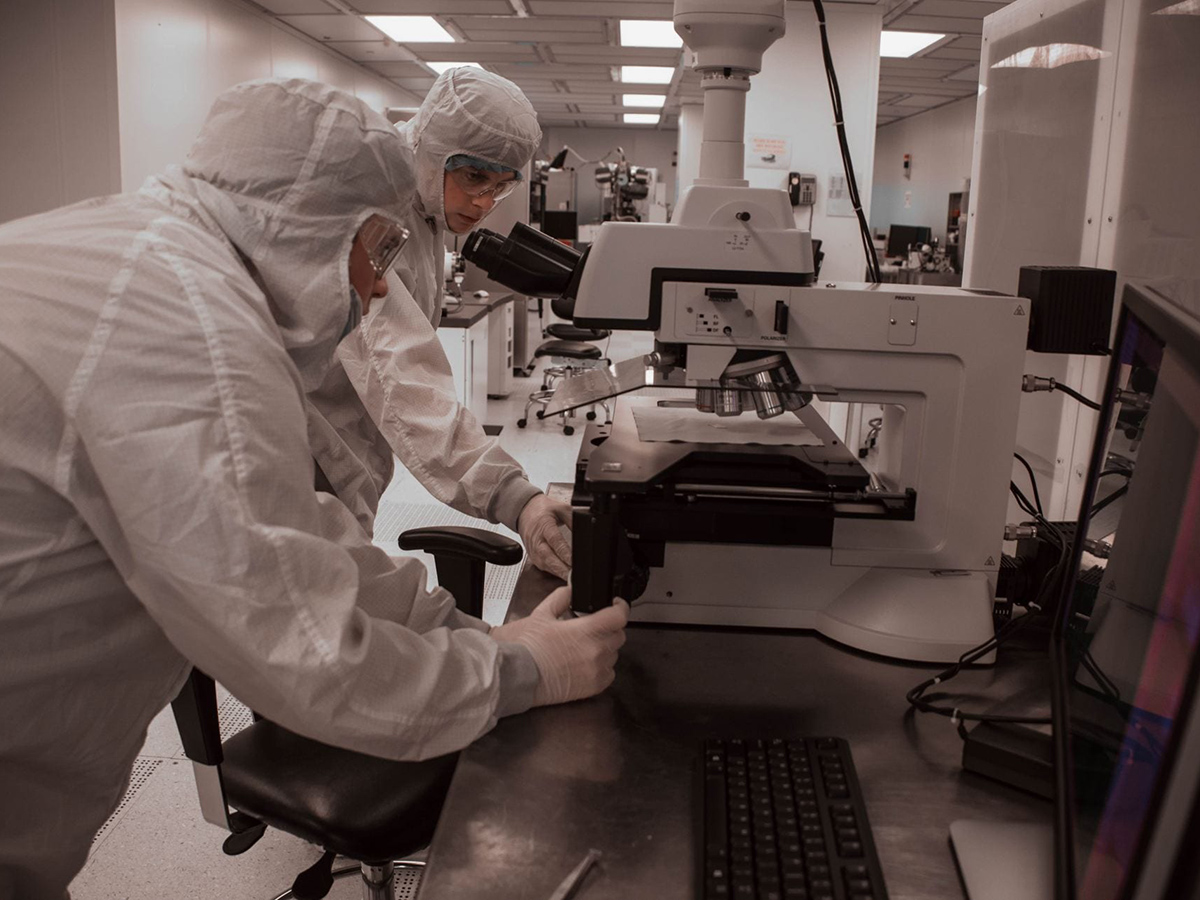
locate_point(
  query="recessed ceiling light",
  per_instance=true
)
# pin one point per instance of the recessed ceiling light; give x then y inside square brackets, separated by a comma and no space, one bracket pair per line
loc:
[649,33]
[648,74]
[905,43]
[441,67]
[655,100]
[642,118]
[412,29]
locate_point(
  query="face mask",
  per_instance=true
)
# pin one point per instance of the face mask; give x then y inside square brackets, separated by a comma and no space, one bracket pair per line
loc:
[355,316]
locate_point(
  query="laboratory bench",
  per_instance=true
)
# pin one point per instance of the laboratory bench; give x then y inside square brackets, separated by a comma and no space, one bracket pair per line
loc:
[618,772]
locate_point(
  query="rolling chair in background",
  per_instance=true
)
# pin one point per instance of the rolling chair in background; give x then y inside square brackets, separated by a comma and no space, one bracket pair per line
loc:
[572,348]
[362,807]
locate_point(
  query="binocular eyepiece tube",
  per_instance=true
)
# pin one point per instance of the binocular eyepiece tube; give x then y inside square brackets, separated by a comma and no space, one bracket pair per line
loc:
[527,261]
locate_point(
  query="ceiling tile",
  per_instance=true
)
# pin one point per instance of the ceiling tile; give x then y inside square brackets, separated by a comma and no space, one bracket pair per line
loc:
[401,69]
[625,9]
[970,73]
[334,28]
[942,24]
[963,54]
[960,9]
[534,35]
[613,87]
[476,51]
[433,7]
[916,64]
[371,51]
[295,7]
[615,56]
[537,28]
[419,86]
[551,71]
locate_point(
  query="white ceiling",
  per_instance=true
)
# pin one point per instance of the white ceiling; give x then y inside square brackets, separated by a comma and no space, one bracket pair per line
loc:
[564,53]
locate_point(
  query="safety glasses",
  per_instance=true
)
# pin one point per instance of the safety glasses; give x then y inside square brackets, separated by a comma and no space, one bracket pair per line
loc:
[476,183]
[383,240]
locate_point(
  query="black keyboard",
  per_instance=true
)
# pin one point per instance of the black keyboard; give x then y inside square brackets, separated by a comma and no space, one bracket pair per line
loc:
[785,820]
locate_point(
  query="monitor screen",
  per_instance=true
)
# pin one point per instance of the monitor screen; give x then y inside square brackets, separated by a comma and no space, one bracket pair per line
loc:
[1130,631]
[900,236]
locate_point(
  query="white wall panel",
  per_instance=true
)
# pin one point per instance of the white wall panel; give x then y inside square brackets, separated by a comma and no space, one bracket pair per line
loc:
[940,142]
[162,78]
[58,101]
[175,56]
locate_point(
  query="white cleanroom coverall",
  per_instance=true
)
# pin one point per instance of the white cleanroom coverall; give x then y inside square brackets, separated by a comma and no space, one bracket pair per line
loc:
[156,479]
[393,392]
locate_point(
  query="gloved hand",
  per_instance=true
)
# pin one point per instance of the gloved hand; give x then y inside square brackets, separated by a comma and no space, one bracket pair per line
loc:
[575,657]
[538,526]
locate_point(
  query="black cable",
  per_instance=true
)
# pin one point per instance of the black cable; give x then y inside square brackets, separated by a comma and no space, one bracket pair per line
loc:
[1118,493]
[1071,392]
[916,698]
[835,96]
[1033,481]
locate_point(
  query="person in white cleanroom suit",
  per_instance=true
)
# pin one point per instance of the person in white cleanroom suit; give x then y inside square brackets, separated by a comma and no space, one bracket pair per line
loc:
[393,393]
[156,482]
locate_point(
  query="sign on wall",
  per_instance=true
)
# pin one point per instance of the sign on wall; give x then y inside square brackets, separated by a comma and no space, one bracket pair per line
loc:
[768,151]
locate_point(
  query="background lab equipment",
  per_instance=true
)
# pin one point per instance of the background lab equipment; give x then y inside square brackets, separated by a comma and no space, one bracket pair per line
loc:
[704,518]
[621,183]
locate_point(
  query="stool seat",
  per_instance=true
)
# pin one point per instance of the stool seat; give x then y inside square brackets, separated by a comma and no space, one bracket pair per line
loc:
[568,350]
[361,806]
[564,331]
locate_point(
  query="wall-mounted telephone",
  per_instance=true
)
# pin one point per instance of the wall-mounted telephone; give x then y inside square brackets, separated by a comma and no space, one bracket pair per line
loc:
[802,189]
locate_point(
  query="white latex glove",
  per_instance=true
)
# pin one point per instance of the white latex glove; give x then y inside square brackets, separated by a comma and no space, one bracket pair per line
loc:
[538,526]
[575,657]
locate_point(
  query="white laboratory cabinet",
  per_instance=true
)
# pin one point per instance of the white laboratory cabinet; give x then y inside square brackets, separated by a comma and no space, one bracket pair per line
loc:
[464,337]
[501,338]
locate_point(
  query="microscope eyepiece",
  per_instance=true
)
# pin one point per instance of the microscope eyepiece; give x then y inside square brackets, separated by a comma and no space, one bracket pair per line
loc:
[527,261]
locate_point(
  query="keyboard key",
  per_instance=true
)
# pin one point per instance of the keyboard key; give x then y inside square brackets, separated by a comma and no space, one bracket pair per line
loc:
[851,848]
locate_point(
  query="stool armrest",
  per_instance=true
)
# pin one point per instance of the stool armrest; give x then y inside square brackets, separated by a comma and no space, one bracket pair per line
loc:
[465,543]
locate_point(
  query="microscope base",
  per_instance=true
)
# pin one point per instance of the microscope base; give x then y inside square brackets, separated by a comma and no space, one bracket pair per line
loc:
[909,614]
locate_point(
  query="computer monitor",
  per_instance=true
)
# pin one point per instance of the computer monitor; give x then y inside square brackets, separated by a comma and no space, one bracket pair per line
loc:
[900,236]
[1125,649]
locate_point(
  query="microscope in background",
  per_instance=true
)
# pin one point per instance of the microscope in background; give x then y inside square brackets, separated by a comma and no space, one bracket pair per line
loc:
[621,183]
[698,511]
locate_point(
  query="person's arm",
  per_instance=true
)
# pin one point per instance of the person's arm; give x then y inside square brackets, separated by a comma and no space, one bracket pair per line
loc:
[191,425]
[399,370]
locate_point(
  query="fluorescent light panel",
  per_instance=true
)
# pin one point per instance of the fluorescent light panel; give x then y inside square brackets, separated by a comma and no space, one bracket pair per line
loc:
[654,100]
[412,29]
[649,33]
[647,74]
[902,44]
[642,118]
[441,67]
